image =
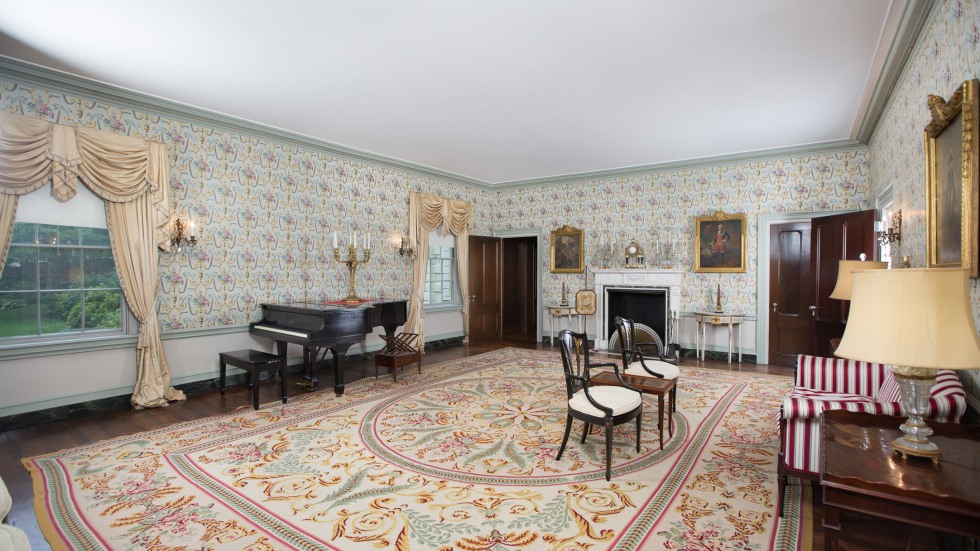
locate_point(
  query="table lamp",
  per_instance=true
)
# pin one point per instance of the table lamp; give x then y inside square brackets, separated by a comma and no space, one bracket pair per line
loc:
[842,290]
[917,321]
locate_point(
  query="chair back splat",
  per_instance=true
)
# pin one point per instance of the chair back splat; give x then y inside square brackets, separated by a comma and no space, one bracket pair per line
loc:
[643,358]
[575,360]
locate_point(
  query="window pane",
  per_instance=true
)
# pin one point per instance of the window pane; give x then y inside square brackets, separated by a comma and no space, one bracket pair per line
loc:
[68,235]
[95,237]
[61,311]
[59,268]
[18,314]
[100,269]
[20,271]
[23,233]
[440,277]
[102,309]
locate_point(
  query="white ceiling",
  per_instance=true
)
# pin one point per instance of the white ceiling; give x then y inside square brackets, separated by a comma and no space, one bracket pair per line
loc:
[497,91]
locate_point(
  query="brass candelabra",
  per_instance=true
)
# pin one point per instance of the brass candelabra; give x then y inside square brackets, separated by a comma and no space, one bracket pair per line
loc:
[352,263]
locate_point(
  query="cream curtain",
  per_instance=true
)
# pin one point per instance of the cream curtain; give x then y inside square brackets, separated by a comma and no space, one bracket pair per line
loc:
[130,175]
[426,212]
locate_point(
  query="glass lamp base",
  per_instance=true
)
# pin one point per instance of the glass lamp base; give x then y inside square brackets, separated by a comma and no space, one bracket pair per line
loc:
[916,386]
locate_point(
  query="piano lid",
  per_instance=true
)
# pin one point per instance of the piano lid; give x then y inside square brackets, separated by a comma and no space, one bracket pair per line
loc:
[318,305]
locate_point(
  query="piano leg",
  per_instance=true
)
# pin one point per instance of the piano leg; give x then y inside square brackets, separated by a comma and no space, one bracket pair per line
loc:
[311,366]
[338,372]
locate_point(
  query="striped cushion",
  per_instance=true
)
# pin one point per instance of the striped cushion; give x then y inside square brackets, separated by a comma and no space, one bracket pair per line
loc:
[839,375]
[889,391]
[620,399]
[668,370]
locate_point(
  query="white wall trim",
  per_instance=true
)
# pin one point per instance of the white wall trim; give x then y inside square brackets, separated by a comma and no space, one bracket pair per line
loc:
[766,220]
[538,234]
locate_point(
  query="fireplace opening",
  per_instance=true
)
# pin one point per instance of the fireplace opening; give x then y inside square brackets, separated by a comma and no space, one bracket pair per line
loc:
[644,306]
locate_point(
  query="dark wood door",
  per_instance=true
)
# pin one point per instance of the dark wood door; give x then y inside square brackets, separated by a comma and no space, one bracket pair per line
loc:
[519,289]
[484,280]
[790,291]
[835,238]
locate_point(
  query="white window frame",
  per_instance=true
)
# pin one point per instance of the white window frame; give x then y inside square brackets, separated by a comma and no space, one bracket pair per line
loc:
[84,210]
[885,205]
[436,239]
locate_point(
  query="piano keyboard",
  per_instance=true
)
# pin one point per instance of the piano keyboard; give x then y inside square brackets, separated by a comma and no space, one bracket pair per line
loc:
[284,331]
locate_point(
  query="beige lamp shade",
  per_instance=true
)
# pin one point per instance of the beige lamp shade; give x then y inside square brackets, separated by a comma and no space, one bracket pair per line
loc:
[842,291]
[917,318]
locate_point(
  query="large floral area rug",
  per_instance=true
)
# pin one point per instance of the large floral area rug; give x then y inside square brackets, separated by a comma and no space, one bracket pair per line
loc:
[461,457]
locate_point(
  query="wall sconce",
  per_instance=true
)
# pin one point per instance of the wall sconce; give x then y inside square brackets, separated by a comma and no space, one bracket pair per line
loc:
[182,232]
[404,250]
[894,233]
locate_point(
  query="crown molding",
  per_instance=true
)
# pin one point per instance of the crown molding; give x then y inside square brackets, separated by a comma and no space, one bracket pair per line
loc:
[917,13]
[836,146]
[101,91]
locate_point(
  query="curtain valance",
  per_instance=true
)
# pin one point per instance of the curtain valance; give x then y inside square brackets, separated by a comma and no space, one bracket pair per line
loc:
[116,168]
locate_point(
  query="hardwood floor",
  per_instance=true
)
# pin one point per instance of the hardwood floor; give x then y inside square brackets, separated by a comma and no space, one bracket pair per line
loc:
[91,427]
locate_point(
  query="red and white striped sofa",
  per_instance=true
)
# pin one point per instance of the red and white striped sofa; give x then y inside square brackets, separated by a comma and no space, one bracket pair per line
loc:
[834,383]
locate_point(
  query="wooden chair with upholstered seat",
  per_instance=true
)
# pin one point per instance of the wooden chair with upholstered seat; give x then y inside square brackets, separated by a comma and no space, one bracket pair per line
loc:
[637,361]
[606,406]
[398,352]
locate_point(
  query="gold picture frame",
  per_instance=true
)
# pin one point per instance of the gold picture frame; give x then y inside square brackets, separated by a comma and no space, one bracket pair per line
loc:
[951,180]
[567,251]
[719,243]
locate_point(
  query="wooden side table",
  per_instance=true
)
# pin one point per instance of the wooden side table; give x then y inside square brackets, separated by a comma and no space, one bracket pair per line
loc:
[649,385]
[860,472]
[560,312]
[715,319]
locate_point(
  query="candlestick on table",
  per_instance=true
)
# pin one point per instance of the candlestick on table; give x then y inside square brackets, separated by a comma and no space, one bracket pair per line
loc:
[352,264]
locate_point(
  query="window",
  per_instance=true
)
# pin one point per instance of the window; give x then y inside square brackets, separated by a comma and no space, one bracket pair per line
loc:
[58,280]
[886,207]
[441,287]
[440,276]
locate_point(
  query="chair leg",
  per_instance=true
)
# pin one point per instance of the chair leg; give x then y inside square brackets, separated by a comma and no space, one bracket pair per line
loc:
[609,431]
[585,431]
[639,429]
[781,492]
[564,440]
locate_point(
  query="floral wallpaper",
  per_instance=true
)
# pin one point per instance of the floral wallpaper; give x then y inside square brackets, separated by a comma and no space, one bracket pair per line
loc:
[661,207]
[265,213]
[948,52]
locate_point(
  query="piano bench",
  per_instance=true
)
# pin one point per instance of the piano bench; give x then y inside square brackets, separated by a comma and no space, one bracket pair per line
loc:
[253,362]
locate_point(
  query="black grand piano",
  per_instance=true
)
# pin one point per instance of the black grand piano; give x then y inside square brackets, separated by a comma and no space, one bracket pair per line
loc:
[321,326]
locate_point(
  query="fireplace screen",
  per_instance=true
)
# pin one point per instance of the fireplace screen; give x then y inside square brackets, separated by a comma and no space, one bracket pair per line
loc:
[644,306]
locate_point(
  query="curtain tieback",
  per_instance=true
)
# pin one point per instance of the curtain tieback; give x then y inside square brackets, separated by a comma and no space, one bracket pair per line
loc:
[144,337]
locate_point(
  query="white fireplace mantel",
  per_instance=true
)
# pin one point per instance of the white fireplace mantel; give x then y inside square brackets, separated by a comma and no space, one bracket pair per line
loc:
[638,279]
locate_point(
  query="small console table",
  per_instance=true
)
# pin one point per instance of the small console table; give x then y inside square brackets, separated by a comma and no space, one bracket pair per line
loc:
[560,312]
[715,319]
[860,472]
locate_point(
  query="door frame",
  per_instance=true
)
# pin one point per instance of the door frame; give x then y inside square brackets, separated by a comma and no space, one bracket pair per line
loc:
[538,234]
[765,221]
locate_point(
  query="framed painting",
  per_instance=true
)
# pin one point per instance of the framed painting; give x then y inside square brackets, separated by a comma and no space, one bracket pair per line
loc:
[951,180]
[567,251]
[719,243]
